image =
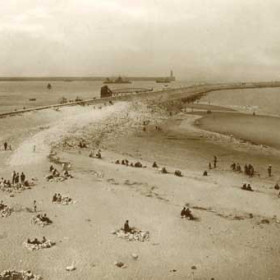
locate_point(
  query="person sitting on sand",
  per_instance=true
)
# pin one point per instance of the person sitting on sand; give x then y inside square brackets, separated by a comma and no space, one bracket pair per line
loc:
[205,173]
[126,227]
[163,170]
[244,187]
[238,167]
[44,239]
[51,168]
[183,212]
[188,214]
[276,187]
[98,154]
[155,165]
[249,188]
[54,199]
[117,162]
[59,197]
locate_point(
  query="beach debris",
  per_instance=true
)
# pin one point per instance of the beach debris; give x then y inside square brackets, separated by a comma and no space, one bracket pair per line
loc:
[178,173]
[35,244]
[71,267]
[19,275]
[133,235]
[5,210]
[134,256]
[59,199]
[41,220]
[119,264]
[265,221]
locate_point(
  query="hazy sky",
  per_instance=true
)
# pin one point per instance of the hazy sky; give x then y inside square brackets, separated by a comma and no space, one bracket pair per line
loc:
[198,39]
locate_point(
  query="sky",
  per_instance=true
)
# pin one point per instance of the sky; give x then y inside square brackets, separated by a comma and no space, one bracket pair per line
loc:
[201,40]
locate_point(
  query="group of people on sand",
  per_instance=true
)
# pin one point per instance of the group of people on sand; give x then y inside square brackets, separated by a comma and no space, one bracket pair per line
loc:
[42,218]
[35,241]
[127,163]
[17,181]
[55,173]
[58,198]
[236,167]
[97,155]
[186,213]
[247,187]
[82,144]
[249,169]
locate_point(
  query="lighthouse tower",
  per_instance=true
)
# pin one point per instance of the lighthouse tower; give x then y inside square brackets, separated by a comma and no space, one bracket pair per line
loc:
[172,77]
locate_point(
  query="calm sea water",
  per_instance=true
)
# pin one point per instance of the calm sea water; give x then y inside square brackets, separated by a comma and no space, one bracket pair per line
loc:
[16,95]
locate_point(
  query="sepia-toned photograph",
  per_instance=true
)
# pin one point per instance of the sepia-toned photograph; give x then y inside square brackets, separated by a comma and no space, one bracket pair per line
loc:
[139,140]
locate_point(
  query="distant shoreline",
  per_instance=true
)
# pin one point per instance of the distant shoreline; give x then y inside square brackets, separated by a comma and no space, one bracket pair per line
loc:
[76,79]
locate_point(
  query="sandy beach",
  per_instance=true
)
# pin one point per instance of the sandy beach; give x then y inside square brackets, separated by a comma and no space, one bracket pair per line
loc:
[234,235]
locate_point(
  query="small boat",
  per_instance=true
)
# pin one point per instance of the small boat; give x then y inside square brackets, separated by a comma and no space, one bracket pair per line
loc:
[164,80]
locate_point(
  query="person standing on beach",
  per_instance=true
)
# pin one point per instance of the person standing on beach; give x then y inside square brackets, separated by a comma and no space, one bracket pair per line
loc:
[269,170]
[5,146]
[14,177]
[35,206]
[215,161]
[22,177]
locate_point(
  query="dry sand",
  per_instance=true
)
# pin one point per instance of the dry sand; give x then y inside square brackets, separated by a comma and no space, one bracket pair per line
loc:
[225,242]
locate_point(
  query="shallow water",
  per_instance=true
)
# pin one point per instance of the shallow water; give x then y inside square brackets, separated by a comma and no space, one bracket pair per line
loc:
[256,129]
[262,101]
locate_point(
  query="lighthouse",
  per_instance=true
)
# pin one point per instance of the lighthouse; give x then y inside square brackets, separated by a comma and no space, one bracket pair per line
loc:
[172,77]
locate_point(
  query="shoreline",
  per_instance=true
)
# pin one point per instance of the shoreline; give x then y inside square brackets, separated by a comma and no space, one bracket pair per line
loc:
[106,194]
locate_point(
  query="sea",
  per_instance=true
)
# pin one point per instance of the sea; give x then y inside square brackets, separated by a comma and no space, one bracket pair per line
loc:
[18,95]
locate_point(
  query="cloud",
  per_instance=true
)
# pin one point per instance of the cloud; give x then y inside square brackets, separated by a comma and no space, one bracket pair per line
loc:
[199,38]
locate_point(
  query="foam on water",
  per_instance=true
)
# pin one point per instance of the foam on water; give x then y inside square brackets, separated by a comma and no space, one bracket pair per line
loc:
[71,120]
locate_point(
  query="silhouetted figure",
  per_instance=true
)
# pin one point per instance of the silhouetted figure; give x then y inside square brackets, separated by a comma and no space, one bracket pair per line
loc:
[22,177]
[126,227]
[205,173]
[5,146]
[269,170]
[215,161]
[155,165]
